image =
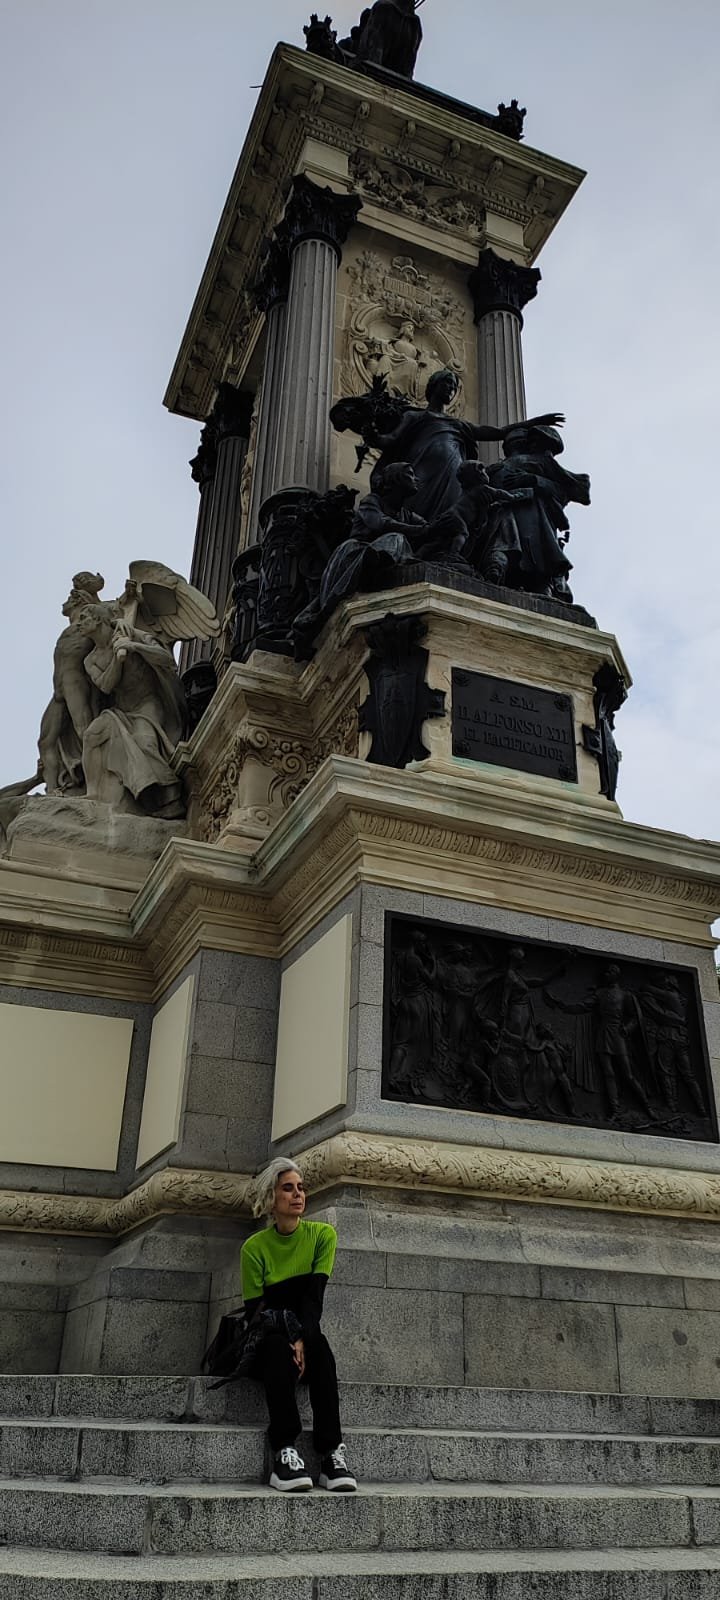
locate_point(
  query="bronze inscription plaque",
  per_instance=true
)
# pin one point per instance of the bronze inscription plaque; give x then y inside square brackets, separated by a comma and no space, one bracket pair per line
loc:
[513,725]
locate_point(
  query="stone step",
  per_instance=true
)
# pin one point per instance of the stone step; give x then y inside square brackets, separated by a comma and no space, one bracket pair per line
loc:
[373,1405]
[604,1574]
[161,1452]
[122,1519]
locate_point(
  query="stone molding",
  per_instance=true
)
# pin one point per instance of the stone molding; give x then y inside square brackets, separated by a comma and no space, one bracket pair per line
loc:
[432,1166]
[501,285]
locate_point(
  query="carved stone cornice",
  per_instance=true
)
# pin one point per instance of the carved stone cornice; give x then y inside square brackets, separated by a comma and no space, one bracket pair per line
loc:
[315,212]
[500,285]
[427,1165]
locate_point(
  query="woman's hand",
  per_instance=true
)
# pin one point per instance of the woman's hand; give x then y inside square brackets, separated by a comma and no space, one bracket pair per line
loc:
[298,1350]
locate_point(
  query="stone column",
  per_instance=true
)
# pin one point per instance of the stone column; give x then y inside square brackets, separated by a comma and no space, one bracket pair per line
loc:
[202,468]
[500,289]
[272,294]
[316,224]
[228,427]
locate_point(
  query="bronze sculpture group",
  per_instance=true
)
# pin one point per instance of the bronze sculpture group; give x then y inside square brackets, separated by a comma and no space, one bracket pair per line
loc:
[432,503]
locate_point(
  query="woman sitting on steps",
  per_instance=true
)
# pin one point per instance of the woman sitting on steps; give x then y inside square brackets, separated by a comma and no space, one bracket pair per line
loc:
[286,1267]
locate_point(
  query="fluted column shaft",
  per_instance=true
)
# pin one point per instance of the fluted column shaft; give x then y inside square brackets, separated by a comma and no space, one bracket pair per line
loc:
[315,226]
[303,435]
[268,414]
[500,372]
[500,289]
[224,522]
[217,543]
[203,470]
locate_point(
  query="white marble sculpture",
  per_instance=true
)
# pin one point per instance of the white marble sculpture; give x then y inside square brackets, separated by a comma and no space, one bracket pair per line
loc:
[118,707]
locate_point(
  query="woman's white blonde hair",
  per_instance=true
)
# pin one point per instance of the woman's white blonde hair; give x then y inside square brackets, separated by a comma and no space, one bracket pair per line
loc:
[263,1190]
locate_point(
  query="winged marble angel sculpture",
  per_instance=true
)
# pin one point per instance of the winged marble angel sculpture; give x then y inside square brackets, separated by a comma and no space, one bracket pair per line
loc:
[134,710]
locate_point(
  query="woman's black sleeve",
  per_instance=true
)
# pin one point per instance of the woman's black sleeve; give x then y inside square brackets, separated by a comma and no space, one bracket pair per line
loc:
[250,1306]
[311,1303]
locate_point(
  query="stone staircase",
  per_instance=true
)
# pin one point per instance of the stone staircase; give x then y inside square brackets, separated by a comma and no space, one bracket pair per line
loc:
[149,1489]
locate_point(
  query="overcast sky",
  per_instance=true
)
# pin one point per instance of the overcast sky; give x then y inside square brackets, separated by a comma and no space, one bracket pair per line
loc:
[121,127]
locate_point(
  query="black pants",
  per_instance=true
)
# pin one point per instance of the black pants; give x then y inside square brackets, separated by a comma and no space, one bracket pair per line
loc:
[277,1370]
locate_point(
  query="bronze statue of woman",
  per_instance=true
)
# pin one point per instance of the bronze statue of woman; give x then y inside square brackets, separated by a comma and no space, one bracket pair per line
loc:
[435,445]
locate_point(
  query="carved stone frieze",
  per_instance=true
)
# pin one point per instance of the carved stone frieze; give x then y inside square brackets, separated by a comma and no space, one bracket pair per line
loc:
[382,1161]
[420,190]
[405,323]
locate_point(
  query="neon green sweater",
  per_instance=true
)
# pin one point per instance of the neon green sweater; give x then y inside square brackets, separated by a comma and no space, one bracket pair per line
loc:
[270,1257]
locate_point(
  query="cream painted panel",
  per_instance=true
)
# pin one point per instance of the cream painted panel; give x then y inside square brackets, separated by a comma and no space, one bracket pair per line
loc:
[62,1086]
[312,1049]
[162,1102]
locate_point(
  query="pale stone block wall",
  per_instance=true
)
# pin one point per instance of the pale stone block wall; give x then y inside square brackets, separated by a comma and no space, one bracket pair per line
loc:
[312,1052]
[63,1077]
[162,1102]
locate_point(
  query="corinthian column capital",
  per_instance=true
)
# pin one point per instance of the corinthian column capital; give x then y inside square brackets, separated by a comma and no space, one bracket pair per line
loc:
[318,213]
[273,284]
[231,413]
[500,285]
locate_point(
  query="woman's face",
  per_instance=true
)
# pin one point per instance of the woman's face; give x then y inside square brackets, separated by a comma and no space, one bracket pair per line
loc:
[289,1196]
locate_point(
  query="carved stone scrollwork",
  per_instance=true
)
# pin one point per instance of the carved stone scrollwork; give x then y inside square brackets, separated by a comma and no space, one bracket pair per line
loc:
[290,763]
[318,213]
[500,285]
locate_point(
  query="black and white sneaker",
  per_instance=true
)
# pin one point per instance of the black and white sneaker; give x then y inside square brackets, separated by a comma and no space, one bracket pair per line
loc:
[335,1472]
[289,1473]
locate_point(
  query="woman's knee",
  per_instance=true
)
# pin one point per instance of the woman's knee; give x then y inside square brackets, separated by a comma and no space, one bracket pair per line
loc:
[276,1352]
[318,1353]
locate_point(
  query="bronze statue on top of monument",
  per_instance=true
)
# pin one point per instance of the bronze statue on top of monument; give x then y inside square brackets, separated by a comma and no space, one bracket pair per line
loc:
[389,35]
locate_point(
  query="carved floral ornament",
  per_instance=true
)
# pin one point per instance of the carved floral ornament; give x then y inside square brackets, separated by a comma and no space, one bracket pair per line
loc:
[374,1159]
[293,762]
[405,325]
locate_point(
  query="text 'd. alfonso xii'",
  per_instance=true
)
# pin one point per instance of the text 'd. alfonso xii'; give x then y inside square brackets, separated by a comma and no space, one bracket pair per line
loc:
[513,725]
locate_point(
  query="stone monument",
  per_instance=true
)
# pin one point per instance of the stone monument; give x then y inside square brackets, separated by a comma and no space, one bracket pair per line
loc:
[353,881]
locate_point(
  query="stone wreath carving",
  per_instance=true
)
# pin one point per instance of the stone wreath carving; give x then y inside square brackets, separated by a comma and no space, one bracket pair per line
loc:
[405,325]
